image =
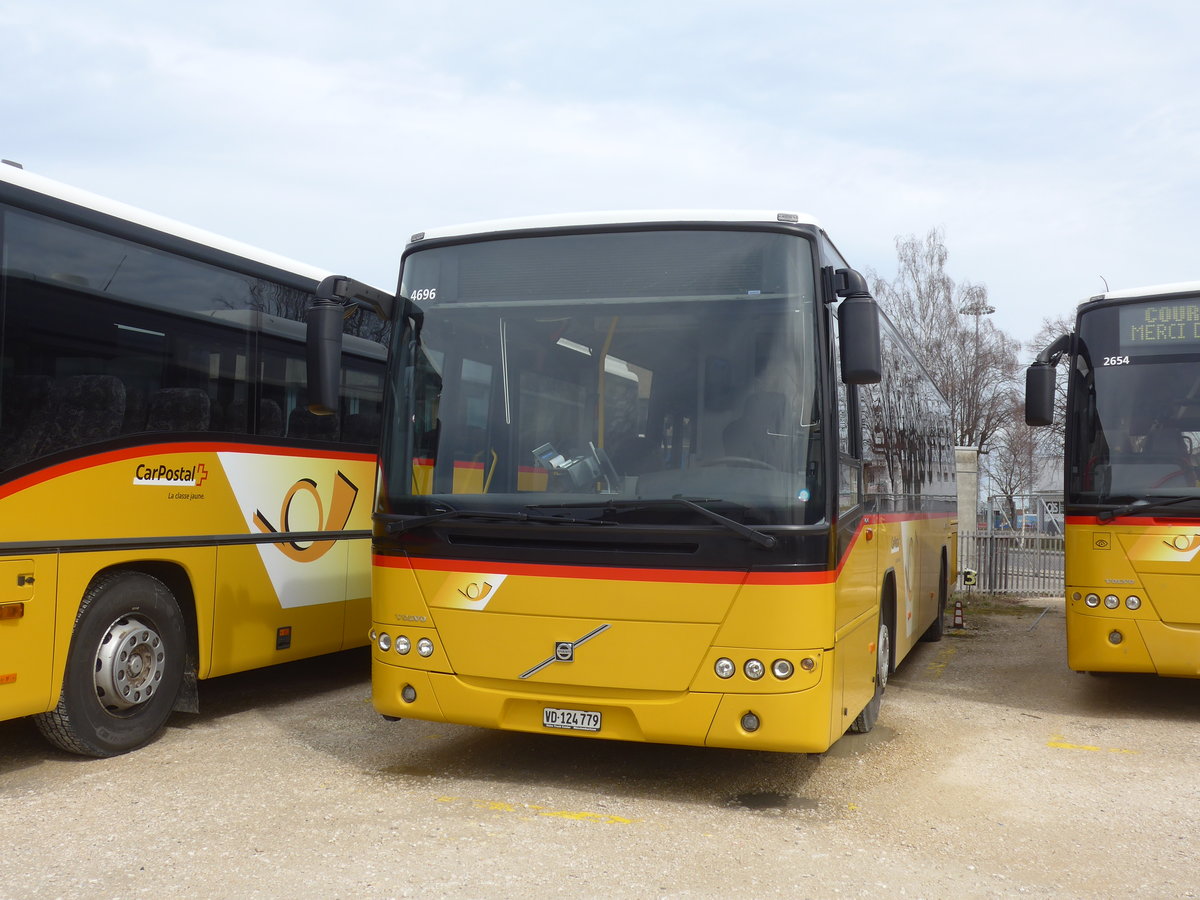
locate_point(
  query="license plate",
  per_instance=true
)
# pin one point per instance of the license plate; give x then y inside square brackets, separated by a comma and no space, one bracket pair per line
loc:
[571,719]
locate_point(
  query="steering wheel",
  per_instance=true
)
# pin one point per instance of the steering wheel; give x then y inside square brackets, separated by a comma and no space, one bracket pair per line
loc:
[742,461]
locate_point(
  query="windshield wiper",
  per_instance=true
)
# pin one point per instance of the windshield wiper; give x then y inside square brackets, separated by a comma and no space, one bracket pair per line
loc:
[395,523]
[759,537]
[1141,505]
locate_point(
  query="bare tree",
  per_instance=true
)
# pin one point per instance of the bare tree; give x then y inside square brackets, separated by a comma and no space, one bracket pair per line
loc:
[973,363]
[1011,464]
[1052,438]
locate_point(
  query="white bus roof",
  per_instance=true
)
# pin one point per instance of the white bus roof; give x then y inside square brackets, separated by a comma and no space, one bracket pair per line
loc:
[50,188]
[1153,290]
[620,217]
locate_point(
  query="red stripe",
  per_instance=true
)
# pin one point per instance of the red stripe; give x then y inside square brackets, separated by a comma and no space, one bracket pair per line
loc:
[1144,521]
[907,517]
[611,573]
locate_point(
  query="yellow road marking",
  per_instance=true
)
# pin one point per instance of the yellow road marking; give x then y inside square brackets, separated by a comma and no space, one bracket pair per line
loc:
[1058,742]
[938,666]
[575,815]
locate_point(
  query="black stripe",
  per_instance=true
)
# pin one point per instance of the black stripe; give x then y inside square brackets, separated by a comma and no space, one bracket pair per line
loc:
[27,548]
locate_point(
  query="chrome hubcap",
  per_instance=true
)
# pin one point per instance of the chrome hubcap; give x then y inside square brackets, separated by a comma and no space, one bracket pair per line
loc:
[129,664]
[881,664]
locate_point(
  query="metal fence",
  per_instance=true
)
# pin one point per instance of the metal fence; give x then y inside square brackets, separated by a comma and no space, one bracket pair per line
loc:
[1012,563]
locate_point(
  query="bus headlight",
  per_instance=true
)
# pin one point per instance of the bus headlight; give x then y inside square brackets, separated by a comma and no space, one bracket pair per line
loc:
[782,669]
[1133,602]
[725,668]
[425,647]
[1112,601]
[403,645]
[1092,600]
[754,669]
[385,642]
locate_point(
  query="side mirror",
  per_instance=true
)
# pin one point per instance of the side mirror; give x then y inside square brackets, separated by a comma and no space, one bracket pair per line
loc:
[324,355]
[1039,394]
[858,328]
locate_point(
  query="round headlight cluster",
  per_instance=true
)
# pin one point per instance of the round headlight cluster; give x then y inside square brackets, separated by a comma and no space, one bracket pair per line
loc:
[1111,601]
[755,669]
[402,643]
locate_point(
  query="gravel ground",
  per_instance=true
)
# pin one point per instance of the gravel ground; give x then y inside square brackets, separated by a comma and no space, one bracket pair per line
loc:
[994,771]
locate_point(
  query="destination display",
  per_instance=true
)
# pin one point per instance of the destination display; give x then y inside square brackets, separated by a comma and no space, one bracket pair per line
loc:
[1160,327]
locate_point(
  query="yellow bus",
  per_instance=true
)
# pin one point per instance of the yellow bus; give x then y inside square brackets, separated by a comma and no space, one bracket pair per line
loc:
[1132,450]
[169,509]
[625,492]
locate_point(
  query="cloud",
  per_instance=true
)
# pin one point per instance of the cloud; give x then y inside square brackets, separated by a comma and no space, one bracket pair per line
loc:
[1051,146]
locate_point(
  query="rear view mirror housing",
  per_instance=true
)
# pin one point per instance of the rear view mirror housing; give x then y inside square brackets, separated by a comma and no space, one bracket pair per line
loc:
[1040,379]
[324,319]
[858,329]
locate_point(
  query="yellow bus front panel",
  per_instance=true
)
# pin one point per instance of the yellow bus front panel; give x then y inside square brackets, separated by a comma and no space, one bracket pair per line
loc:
[1132,603]
[495,649]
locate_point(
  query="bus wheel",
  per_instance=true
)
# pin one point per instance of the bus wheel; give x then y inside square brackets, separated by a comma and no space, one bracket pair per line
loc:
[936,630]
[124,667]
[883,657]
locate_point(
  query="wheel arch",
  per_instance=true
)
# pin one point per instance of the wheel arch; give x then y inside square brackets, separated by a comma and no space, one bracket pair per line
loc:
[887,609]
[175,577]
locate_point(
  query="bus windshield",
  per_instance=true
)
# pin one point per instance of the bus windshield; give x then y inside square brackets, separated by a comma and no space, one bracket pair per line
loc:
[1135,408]
[609,372]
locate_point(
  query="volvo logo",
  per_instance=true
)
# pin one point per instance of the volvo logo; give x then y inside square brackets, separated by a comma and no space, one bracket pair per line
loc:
[564,651]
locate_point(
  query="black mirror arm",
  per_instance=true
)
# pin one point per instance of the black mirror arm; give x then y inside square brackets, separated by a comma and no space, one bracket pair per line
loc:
[1052,354]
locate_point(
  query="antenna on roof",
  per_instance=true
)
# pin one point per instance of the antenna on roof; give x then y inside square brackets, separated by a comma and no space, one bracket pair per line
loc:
[1106,287]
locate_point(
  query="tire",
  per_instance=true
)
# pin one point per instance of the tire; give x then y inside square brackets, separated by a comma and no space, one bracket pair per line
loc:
[123,670]
[883,661]
[937,630]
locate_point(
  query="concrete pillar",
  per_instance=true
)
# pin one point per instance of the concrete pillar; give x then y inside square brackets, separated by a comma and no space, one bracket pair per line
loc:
[967,464]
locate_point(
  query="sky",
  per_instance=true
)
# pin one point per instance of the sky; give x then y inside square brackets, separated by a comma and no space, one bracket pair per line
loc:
[1055,145]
